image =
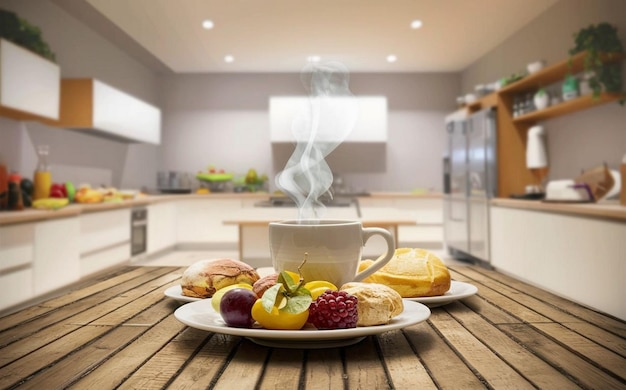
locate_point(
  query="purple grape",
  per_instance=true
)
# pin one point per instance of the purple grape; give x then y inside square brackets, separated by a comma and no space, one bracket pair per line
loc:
[236,307]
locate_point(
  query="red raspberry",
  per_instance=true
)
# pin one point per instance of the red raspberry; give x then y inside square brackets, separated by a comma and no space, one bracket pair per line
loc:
[334,310]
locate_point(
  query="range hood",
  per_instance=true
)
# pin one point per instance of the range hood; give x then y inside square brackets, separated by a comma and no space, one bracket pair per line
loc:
[91,106]
[370,127]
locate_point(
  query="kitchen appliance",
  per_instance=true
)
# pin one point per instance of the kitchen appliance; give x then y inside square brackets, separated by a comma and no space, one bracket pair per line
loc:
[469,184]
[138,231]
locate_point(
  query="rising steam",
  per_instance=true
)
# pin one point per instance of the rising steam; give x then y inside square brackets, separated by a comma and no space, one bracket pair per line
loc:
[323,124]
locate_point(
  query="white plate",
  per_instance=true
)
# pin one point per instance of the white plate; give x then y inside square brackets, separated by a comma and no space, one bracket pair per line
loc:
[200,315]
[458,290]
[176,292]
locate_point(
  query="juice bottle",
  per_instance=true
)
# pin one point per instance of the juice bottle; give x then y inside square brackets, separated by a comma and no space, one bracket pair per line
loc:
[15,192]
[4,187]
[43,176]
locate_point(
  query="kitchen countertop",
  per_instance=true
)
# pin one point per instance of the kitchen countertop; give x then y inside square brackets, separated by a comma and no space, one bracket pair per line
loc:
[118,330]
[607,209]
[32,215]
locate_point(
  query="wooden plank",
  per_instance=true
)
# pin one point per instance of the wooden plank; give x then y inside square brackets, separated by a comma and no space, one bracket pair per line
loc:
[608,323]
[78,293]
[245,369]
[363,367]
[324,369]
[283,370]
[403,365]
[91,305]
[206,366]
[571,340]
[110,313]
[446,368]
[501,298]
[166,362]
[557,309]
[477,355]
[125,361]
[577,367]
[534,369]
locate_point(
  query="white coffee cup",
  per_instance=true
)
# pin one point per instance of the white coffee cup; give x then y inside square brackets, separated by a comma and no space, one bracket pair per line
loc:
[333,249]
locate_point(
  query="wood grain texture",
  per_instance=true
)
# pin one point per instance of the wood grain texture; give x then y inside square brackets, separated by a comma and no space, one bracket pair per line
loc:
[118,331]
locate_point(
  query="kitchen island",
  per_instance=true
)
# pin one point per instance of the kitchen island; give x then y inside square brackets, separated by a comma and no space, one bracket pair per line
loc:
[253,227]
[118,331]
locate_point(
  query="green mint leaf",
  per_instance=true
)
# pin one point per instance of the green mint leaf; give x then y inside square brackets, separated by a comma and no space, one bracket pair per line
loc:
[297,304]
[268,300]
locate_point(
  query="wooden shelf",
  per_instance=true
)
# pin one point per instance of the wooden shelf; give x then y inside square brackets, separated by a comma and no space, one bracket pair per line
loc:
[555,73]
[568,107]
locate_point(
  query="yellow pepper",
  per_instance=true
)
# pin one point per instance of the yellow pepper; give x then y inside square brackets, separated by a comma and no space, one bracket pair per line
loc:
[318,287]
[278,319]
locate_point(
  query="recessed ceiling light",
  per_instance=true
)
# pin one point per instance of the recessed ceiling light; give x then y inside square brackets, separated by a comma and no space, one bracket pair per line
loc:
[391,58]
[229,58]
[416,24]
[313,58]
[207,24]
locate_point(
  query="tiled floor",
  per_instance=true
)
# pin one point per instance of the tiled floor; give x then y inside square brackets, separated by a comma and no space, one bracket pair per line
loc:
[186,258]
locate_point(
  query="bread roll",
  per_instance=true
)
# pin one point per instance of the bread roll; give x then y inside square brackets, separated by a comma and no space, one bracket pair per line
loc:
[377,303]
[203,278]
[263,284]
[412,273]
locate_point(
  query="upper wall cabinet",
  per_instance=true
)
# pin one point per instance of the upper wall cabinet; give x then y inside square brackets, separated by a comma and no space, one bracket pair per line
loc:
[29,84]
[331,117]
[91,105]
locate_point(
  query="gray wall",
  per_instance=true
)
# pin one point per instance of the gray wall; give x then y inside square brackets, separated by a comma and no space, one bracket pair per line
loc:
[223,119]
[587,138]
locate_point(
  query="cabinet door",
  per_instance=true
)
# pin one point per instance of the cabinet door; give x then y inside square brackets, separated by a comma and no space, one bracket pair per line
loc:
[56,254]
[104,240]
[200,221]
[17,252]
[161,226]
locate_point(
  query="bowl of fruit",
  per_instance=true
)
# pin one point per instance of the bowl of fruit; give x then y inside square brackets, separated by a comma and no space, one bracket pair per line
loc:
[214,179]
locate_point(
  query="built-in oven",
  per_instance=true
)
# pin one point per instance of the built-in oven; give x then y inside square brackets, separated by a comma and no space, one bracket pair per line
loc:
[138,231]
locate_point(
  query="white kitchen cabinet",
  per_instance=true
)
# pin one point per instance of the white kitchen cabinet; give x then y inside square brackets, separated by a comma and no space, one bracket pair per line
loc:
[578,257]
[199,223]
[162,219]
[93,106]
[29,84]
[370,126]
[104,240]
[56,254]
[17,253]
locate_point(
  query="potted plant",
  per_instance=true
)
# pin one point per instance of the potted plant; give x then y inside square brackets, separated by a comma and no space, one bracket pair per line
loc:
[596,40]
[19,31]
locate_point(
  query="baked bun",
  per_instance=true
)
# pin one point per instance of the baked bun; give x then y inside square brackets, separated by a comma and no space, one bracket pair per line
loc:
[263,284]
[412,273]
[377,303]
[203,278]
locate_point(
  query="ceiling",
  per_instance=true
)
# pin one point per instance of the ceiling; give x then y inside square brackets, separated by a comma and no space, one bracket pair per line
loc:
[279,35]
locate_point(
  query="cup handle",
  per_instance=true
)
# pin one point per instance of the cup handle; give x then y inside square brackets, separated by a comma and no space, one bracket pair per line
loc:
[382,259]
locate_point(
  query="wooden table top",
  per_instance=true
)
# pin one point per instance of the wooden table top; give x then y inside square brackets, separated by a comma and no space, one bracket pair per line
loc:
[118,331]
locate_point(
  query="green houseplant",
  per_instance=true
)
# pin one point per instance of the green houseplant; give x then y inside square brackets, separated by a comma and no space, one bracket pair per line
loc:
[596,40]
[19,31]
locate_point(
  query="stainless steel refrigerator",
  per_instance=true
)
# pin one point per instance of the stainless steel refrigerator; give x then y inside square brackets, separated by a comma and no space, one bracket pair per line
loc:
[469,184]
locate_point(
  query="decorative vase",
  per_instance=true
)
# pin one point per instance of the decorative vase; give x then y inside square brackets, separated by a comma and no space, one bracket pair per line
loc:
[541,99]
[570,88]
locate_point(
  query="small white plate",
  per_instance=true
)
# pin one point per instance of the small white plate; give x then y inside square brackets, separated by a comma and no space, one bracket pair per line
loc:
[458,290]
[176,292]
[200,315]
